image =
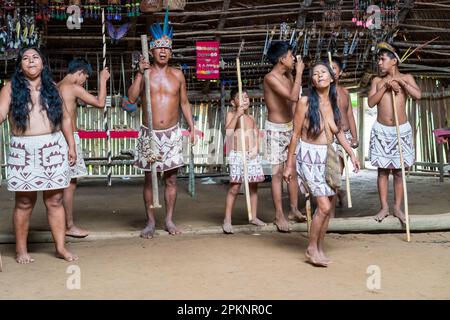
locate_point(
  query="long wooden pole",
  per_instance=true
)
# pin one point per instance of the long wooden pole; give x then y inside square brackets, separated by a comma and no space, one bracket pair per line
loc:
[105,111]
[242,135]
[405,192]
[155,192]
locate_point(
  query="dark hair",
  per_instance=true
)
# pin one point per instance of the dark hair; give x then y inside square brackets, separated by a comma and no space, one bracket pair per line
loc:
[313,104]
[80,64]
[338,61]
[20,94]
[234,92]
[277,50]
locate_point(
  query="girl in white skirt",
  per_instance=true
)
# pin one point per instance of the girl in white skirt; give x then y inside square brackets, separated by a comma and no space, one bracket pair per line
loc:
[316,120]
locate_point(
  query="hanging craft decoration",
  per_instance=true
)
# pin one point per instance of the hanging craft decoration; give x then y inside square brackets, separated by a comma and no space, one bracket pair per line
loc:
[208,60]
[331,12]
[117,33]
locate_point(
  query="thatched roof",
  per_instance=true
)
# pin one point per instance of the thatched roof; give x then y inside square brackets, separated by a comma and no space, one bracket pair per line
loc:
[231,21]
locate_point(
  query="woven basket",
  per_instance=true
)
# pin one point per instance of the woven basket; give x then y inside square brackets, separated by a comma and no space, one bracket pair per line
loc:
[150,5]
[174,4]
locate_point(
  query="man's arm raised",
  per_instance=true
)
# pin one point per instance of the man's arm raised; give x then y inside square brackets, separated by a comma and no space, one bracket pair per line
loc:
[137,86]
[278,87]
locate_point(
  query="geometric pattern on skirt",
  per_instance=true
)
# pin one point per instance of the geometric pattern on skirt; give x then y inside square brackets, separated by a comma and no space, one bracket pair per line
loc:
[79,168]
[236,164]
[311,162]
[38,163]
[278,137]
[168,144]
[384,151]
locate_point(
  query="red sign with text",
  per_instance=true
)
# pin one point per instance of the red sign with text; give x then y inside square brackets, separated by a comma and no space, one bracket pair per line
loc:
[207,59]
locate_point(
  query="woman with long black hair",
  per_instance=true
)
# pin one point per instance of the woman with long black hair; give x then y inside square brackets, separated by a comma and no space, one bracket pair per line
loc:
[316,120]
[41,148]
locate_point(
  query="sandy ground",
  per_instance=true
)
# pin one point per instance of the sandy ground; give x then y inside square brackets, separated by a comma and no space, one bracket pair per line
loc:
[121,207]
[244,266]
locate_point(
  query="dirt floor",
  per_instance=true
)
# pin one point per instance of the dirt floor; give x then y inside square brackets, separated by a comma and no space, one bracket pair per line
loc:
[240,266]
[243,266]
[121,208]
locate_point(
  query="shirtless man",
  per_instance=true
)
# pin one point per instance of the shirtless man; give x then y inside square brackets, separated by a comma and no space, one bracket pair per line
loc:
[41,148]
[71,89]
[281,93]
[168,91]
[348,122]
[383,151]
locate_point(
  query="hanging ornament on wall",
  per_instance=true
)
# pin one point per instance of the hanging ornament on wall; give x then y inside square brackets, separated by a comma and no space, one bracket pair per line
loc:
[331,12]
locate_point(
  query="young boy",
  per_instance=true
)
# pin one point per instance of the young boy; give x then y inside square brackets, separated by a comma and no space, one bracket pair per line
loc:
[235,158]
[71,91]
[384,150]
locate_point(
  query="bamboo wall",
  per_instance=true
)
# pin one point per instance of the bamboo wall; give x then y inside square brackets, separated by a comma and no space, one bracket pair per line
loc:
[208,152]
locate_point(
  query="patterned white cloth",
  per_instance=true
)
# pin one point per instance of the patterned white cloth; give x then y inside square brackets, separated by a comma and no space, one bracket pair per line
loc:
[79,168]
[254,168]
[311,163]
[169,146]
[38,163]
[384,151]
[278,137]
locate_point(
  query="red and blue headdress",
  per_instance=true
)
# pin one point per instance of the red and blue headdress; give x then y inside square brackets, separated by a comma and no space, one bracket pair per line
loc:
[162,37]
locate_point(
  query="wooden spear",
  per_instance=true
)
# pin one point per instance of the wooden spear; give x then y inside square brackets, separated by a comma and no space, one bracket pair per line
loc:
[155,192]
[405,192]
[242,134]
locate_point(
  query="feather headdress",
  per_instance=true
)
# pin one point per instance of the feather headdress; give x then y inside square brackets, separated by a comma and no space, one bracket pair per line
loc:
[162,37]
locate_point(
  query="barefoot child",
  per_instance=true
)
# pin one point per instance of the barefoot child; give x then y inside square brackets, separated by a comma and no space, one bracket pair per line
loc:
[235,158]
[383,150]
[41,148]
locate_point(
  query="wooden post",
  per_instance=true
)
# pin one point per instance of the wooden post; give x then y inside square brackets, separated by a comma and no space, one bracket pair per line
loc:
[361,133]
[155,192]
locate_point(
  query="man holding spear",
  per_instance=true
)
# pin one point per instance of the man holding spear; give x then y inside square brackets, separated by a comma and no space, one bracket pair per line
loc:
[391,141]
[168,92]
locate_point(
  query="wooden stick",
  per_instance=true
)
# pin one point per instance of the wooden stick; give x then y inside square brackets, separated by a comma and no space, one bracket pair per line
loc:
[405,192]
[155,192]
[308,212]
[347,179]
[244,153]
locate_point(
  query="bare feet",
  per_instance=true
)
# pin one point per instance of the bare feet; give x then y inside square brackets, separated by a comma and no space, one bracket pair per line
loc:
[315,259]
[400,215]
[282,224]
[66,255]
[383,213]
[76,232]
[297,215]
[171,228]
[324,258]
[23,258]
[257,222]
[148,231]
[227,227]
